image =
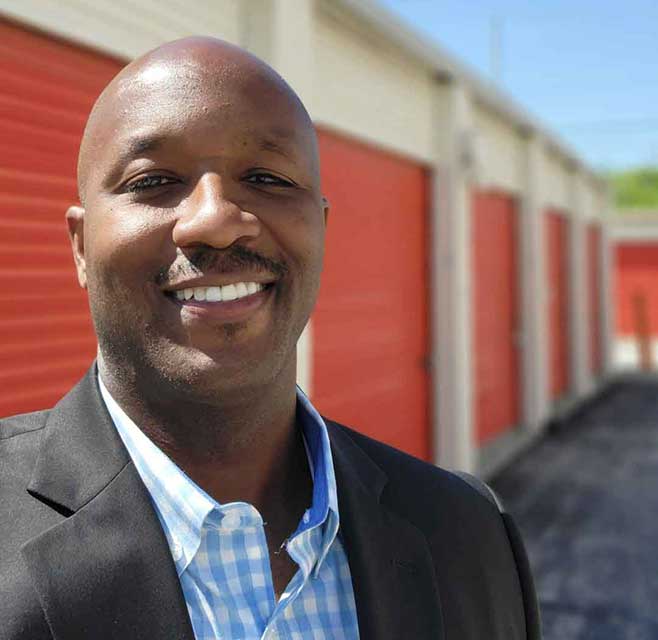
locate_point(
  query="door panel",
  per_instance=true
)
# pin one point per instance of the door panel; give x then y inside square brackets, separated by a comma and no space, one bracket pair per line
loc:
[370,327]
[495,307]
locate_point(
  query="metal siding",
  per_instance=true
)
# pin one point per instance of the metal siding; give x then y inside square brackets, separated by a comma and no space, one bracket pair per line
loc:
[556,182]
[370,89]
[496,308]
[47,88]
[126,28]
[557,242]
[370,326]
[502,153]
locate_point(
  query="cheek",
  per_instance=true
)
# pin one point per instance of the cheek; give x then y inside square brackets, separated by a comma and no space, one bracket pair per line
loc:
[302,235]
[124,247]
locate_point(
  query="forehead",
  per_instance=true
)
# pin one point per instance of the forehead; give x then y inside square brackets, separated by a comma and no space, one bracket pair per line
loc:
[164,102]
[169,96]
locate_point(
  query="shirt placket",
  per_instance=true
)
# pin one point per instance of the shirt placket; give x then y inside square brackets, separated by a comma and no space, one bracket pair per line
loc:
[303,549]
[240,551]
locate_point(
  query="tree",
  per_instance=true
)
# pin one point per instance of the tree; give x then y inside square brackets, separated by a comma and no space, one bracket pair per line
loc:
[636,188]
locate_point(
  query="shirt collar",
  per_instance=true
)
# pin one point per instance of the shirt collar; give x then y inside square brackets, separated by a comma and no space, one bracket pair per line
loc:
[183,507]
[324,507]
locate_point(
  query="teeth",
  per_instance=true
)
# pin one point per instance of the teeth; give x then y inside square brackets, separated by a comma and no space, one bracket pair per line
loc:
[229,292]
[214,294]
[219,294]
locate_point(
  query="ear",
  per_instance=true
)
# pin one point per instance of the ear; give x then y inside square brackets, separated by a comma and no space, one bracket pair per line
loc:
[75,218]
[325,209]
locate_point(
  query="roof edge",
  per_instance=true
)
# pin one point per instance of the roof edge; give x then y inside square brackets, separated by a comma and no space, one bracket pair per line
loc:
[446,65]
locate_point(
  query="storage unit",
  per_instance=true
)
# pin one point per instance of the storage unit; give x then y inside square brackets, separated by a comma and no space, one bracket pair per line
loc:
[495,314]
[370,326]
[556,230]
[46,90]
[636,295]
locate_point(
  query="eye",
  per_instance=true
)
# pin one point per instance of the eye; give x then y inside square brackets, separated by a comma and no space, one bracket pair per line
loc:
[268,180]
[149,182]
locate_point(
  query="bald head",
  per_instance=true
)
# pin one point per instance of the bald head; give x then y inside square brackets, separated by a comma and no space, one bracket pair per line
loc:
[173,76]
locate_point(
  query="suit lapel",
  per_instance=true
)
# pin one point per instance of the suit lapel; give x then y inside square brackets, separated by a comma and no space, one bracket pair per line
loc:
[105,571]
[392,570]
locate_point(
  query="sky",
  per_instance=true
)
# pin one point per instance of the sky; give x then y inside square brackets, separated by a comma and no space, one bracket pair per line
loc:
[587,70]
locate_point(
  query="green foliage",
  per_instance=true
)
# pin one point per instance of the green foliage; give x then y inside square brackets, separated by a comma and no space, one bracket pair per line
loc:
[636,189]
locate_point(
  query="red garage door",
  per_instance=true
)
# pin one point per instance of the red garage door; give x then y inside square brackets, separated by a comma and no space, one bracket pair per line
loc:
[557,239]
[594,297]
[46,90]
[637,289]
[495,289]
[370,326]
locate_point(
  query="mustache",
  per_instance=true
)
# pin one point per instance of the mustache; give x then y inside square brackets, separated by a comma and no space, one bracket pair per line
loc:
[205,260]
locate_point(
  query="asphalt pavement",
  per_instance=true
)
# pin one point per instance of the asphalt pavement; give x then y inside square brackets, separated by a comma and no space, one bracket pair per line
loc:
[586,500]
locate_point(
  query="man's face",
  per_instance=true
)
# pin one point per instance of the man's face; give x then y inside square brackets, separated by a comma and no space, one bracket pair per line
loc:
[203,186]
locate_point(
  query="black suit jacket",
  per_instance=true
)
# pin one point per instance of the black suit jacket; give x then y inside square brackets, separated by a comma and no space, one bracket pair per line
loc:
[83,555]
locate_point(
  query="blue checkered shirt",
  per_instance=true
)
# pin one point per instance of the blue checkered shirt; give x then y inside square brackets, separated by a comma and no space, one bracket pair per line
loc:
[220,550]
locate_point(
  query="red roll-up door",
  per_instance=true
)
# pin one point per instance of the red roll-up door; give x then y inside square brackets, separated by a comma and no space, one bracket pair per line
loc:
[47,88]
[557,241]
[594,294]
[495,307]
[636,289]
[370,327]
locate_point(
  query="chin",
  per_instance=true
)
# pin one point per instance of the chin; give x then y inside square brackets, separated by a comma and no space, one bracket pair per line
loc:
[208,374]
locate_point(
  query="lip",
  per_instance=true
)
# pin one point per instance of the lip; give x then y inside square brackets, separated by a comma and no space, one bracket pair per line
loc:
[222,312]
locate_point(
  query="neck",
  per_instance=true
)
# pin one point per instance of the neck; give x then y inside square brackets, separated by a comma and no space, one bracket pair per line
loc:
[238,446]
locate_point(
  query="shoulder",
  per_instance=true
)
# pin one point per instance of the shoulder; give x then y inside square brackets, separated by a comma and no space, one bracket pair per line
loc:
[22,424]
[20,441]
[468,533]
[452,511]
[20,437]
[413,483]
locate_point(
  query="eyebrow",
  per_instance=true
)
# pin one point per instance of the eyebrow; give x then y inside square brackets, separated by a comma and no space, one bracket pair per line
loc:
[134,147]
[139,145]
[269,144]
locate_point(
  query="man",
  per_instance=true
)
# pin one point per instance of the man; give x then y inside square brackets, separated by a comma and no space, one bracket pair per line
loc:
[185,488]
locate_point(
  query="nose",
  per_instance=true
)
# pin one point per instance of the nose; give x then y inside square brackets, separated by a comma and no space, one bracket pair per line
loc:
[211,218]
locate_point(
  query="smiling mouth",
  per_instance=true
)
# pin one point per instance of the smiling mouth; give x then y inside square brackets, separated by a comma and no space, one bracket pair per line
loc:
[218,294]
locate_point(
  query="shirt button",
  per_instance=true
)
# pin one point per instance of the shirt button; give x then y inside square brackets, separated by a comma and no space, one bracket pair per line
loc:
[307,517]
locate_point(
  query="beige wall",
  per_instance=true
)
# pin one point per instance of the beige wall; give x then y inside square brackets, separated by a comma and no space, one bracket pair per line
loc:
[589,209]
[371,90]
[502,152]
[557,182]
[126,28]
[596,196]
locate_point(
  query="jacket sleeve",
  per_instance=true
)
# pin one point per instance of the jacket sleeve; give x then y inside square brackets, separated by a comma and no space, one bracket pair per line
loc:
[528,593]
